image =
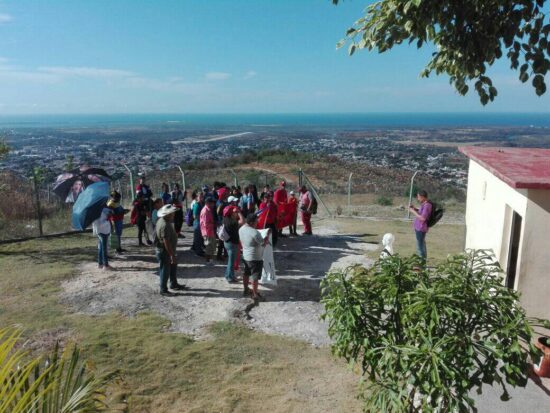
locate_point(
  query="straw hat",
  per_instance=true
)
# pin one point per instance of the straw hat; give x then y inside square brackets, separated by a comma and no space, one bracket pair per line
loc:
[167,210]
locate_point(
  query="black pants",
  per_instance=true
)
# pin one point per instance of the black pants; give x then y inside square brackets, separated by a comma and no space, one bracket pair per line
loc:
[178,220]
[141,229]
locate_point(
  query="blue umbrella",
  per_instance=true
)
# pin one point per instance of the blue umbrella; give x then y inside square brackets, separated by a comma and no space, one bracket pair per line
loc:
[89,205]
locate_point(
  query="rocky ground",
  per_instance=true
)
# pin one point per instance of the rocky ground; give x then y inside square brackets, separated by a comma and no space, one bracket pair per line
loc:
[291,308]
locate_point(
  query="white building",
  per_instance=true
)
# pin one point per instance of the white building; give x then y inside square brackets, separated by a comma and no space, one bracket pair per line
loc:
[508,211]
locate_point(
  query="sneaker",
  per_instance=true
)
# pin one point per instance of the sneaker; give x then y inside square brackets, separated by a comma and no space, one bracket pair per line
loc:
[231,280]
[258,297]
[247,292]
[100,266]
[108,268]
[149,242]
[166,293]
[210,263]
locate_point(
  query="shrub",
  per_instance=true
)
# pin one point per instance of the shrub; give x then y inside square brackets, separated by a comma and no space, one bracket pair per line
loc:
[425,339]
[384,201]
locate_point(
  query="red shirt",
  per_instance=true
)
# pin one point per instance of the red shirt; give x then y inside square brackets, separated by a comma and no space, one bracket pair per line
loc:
[280,196]
[271,212]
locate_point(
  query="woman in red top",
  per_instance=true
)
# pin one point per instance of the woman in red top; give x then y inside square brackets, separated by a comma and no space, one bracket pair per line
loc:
[271,210]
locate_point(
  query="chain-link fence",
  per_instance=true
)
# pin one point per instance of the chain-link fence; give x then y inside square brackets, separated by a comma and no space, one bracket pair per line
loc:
[29,211]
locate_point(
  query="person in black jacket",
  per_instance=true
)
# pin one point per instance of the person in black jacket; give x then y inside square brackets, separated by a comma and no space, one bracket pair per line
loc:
[232,220]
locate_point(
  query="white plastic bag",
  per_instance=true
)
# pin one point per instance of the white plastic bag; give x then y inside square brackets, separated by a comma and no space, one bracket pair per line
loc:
[268,272]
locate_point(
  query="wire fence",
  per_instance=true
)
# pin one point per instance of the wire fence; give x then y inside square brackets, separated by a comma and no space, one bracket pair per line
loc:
[27,210]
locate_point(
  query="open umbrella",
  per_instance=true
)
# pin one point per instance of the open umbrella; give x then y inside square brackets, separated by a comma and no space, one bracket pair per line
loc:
[69,185]
[89,205]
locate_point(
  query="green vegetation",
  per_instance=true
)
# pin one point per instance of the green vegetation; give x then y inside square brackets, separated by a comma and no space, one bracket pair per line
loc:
[269,156]
[469,36]
[4,149]
[61,383]
[384,201]
[235,370]
[424,339]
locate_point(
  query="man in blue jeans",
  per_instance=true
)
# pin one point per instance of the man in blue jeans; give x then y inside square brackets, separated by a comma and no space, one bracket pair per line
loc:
[420,224]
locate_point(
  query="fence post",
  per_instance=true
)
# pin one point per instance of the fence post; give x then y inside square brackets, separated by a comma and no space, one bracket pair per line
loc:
[349,192]
[316,195]
[184,185]
[300,178]
[37,198]
[411,195]
[131,181]
[235,180]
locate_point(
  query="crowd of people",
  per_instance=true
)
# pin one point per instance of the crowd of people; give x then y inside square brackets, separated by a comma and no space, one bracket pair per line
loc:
[225,221]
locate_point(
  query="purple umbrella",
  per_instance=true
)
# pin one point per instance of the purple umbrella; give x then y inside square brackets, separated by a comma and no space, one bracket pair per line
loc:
[69,185]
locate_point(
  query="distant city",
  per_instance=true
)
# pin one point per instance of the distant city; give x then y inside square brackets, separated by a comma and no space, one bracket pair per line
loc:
[157,147]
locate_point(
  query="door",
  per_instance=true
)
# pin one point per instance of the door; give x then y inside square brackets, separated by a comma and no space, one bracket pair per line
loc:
[513,250]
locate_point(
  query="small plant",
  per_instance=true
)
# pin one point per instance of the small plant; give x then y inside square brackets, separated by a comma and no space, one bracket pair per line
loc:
[339,210]
[60,383]
[425,339]
[384,201]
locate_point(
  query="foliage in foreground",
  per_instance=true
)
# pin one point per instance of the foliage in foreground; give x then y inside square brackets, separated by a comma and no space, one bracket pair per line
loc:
[59,384]
[424,339]
[468,36]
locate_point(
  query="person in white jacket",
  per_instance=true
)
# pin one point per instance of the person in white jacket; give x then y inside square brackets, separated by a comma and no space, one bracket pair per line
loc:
[102,228]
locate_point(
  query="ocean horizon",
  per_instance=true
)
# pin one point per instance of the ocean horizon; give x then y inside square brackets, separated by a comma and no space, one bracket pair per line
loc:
[321,120]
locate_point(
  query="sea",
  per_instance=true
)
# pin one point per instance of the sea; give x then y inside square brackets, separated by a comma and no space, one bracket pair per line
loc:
[349,121]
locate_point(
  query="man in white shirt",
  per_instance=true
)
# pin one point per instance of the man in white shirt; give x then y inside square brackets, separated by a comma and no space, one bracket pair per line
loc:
[253,250]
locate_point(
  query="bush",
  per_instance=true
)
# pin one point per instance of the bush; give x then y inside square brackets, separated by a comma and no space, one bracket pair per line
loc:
[425,339]
[384,201]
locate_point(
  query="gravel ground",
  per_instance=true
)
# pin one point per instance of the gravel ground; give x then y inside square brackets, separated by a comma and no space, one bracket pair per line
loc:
[291,308]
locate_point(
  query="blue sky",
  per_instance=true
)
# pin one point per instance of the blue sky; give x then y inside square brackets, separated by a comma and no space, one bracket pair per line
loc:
[216,56]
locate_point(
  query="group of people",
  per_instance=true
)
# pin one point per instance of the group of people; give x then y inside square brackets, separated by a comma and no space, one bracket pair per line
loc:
[225,220]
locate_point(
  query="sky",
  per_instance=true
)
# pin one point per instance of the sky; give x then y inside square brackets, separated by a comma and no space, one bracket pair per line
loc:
[217,56]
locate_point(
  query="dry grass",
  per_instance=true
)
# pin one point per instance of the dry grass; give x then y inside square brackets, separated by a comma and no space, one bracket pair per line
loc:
[238,370]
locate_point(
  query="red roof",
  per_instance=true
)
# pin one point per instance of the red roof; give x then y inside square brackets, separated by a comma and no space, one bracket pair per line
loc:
[518,167]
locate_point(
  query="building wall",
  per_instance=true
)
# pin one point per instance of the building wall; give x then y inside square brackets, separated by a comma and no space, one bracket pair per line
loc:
[489,206]
[489,209]
[534,280]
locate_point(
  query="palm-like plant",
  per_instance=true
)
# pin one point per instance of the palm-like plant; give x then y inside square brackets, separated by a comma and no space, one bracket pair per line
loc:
[60,383]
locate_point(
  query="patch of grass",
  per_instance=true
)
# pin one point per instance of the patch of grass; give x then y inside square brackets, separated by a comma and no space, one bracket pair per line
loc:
[237,370]
[384,201]
[441,240]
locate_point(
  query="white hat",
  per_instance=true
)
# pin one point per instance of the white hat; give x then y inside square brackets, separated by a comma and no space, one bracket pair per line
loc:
[232,199]
[291,192]
[167,210]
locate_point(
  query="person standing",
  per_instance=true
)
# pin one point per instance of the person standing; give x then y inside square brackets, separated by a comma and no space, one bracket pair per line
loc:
[420,223]
[208,229]
[280,196]
[117,218]
[140,213]
[198,241]
[165,194]
[253,251]
[293,202]
[306,201]
[102,229]
[143,189]
[232,220]
[271,211]
[178,198]
[166,243]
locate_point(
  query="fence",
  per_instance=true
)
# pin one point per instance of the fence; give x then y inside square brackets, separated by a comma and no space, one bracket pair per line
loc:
[29,211]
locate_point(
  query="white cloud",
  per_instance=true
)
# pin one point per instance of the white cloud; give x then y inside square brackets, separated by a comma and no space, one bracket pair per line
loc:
[93,72]
[218,76]
[250,74]
[5,18]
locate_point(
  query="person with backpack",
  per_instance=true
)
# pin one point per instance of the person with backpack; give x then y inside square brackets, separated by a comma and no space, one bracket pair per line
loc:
[232,220]
[420,223]
[306,205]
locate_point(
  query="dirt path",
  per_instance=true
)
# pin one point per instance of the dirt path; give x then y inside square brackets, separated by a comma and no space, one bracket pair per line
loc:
[291,308]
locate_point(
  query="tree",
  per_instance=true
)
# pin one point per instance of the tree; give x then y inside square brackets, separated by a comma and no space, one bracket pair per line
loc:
[469,36]
[4,149]
[425,339]
[69,164]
